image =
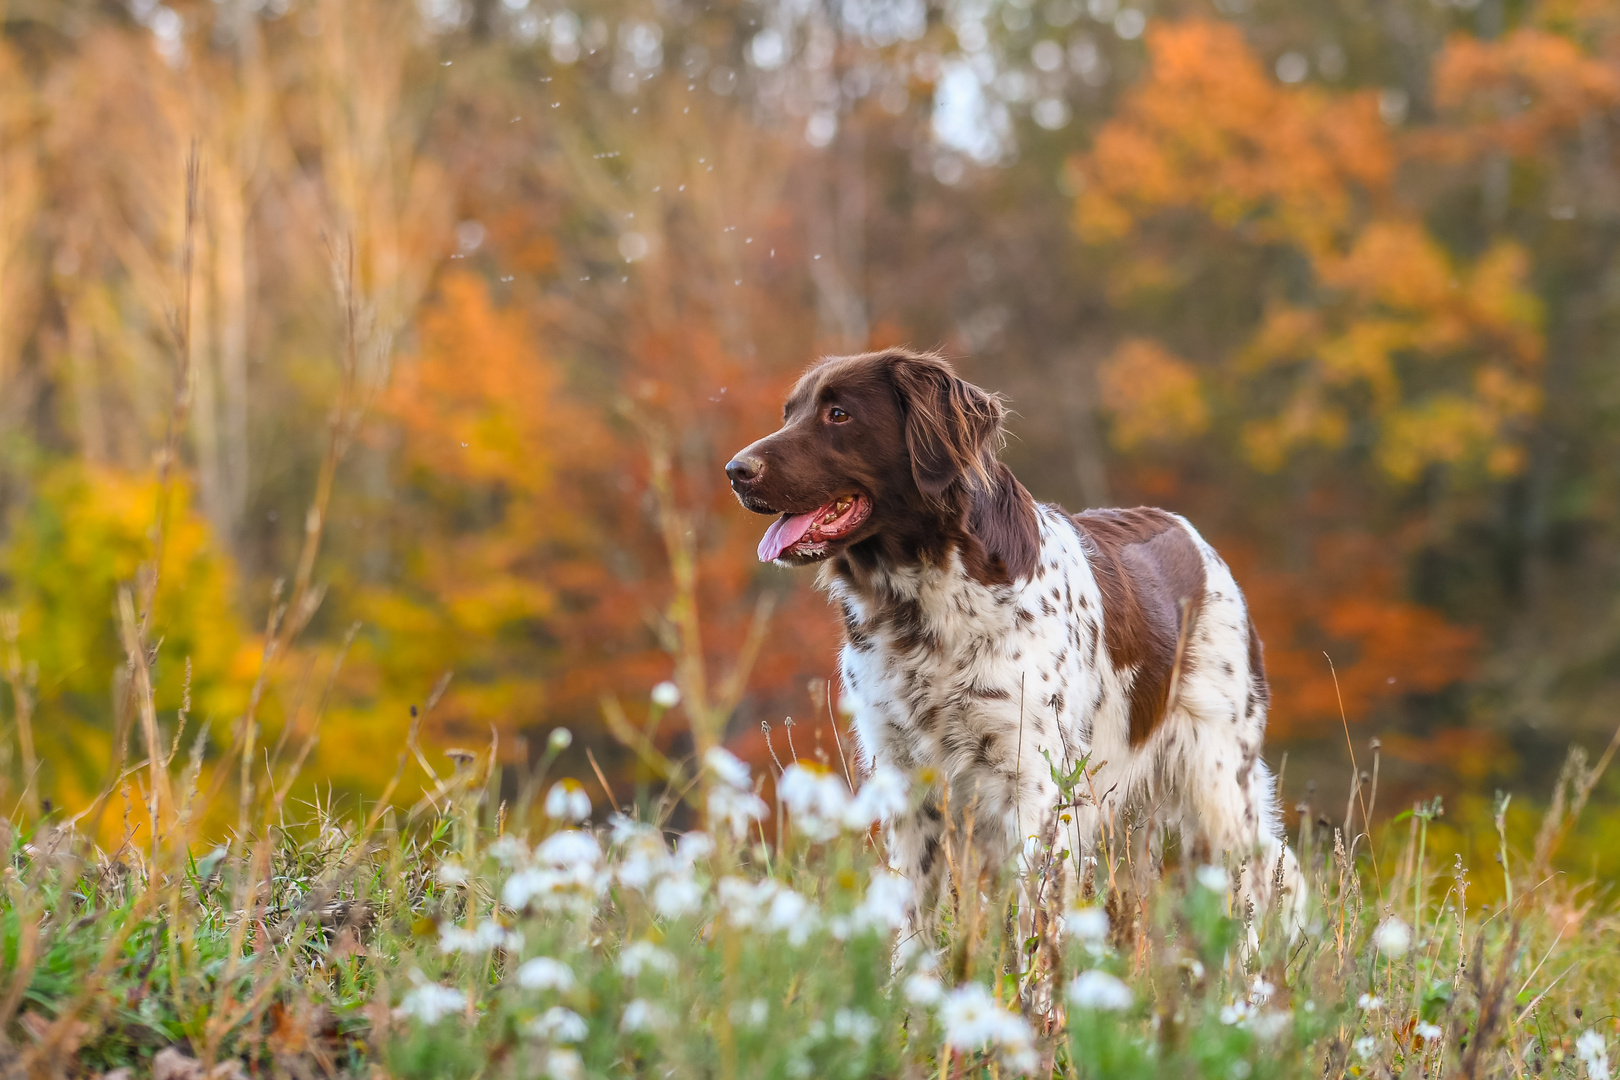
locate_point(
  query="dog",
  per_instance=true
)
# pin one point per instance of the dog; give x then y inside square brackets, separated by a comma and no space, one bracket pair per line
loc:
[990,640]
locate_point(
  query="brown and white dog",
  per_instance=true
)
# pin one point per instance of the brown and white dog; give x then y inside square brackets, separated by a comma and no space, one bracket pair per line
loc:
[986,634]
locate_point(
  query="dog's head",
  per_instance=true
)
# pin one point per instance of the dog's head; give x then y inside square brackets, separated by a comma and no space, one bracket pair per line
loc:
[870,445]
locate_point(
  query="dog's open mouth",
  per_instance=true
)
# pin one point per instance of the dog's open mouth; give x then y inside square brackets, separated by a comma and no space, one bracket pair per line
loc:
[809,535]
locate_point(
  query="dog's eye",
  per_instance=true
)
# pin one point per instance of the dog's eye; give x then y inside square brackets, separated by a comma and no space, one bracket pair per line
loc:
[835,415]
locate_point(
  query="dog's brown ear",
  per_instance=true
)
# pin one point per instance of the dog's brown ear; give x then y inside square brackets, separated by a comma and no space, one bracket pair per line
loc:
[953,428]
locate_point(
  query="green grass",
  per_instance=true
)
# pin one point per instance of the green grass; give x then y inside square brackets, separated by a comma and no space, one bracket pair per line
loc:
[316,948]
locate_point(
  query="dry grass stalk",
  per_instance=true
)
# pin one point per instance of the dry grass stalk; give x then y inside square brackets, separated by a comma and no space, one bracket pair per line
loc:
[22,705]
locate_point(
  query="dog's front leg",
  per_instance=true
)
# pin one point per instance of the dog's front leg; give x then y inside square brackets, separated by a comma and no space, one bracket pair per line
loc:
[916,842]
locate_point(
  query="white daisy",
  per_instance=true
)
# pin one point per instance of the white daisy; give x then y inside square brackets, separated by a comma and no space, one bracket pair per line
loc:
[1100,992]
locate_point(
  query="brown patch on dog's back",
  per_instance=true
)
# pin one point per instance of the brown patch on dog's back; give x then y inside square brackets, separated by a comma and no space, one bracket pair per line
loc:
[1146,565]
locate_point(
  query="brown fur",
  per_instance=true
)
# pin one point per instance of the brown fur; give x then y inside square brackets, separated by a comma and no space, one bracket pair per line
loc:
[953,428]
[1259,689]
[1147,567]
[922,444]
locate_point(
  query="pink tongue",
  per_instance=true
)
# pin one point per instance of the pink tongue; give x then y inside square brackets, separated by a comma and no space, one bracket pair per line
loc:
[784,532]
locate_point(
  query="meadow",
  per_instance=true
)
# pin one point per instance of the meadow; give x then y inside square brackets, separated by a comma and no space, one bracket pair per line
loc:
[473,936]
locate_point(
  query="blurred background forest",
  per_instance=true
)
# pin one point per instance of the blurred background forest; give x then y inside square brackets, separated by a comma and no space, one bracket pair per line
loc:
[1336,279]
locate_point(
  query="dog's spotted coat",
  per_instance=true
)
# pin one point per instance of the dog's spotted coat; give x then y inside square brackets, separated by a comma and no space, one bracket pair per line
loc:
[985,685]
[988,637]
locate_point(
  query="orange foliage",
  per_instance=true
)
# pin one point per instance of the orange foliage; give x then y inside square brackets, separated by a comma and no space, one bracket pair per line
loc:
[1518,93]
[485,436]
[1350,607]
[481,403]
[535,568]
[1406,305]
[1393,344]
[1209,130]
[1438,358]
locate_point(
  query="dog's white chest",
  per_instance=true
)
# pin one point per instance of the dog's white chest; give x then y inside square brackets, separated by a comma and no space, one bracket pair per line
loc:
[978,683]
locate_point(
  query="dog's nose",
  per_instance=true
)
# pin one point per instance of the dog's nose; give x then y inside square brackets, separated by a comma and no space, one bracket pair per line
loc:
[744,469]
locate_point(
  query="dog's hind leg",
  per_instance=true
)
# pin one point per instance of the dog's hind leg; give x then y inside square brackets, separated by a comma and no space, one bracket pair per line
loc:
[1230,804]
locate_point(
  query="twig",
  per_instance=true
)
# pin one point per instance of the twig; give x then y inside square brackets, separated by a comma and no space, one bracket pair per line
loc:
[22,967]
[1018,767]
[152,572]
[1537,999]
[736,683]
[22,704]
[1581,785]
[765,729]
[1365,818]
[600,779]
[180,330]
[683,609]
[342,424]
[1531,977]
[142,683]
[315,725]
[620,728]
[832,721]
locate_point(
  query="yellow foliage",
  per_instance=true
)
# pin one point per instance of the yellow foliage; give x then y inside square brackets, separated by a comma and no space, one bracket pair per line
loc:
[1154,395]
[1307,420]
[1496,298]
[84,534]
[1442,430]
[1362,355]
[1287,335]
[1394,263]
